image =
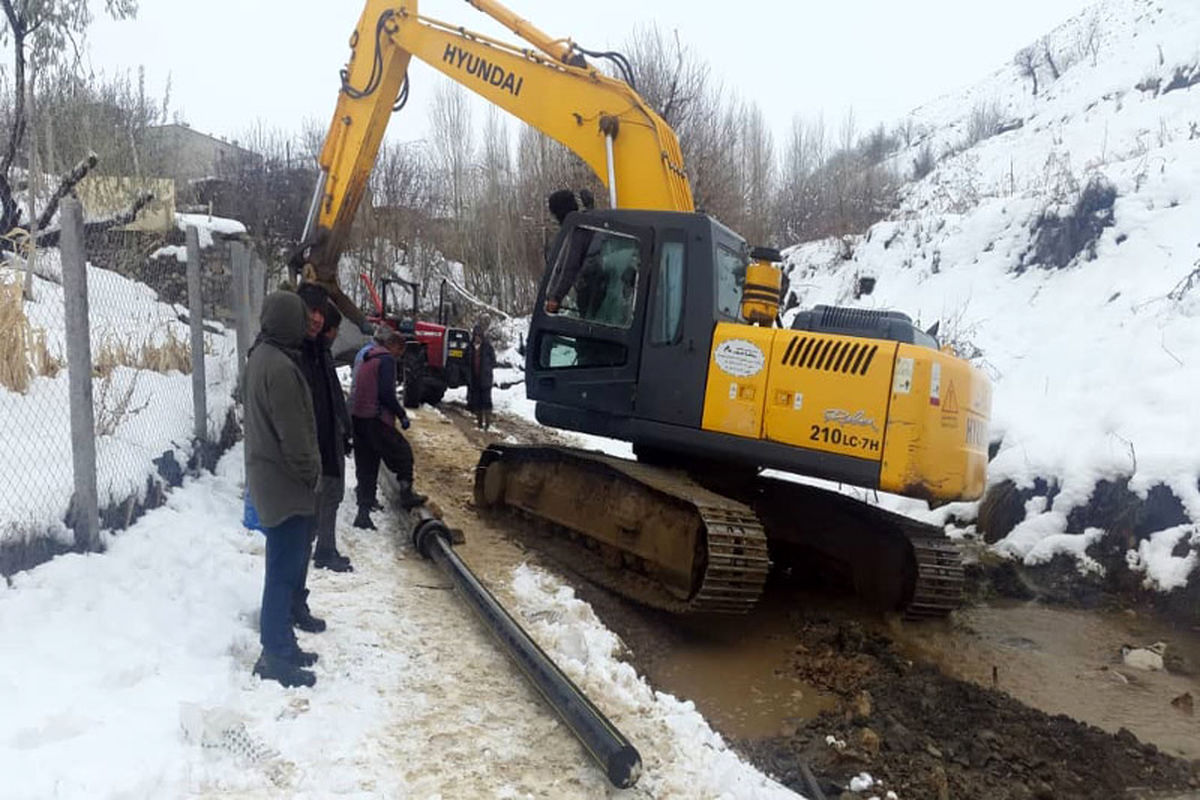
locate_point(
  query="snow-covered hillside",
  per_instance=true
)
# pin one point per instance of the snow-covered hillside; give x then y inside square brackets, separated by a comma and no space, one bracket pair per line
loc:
[1063,256]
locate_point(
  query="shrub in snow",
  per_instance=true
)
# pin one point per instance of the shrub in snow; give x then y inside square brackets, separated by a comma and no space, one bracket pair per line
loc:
[1183,78]
[924,163]
[983,123]
[1060,240]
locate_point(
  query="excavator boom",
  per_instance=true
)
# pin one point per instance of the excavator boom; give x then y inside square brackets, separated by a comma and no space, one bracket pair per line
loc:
[552,88]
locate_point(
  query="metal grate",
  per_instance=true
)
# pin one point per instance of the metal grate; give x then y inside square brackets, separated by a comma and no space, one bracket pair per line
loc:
[829,355]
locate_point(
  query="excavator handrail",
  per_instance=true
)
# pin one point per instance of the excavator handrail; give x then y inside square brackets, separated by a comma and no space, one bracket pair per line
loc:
[562,50]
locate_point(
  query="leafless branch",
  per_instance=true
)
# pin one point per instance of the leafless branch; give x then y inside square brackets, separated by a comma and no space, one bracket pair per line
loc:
[65,187]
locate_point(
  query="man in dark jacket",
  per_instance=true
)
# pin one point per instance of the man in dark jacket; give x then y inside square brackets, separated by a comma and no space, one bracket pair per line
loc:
[332,488]
[481,358]
[316,301]
[375,413]
[561,203]
[283,464]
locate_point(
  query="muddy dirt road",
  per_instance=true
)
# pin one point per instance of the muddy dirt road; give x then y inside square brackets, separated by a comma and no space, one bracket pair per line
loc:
[1004,701]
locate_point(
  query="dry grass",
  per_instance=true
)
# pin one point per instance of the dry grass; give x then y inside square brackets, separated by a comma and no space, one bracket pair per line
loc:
[15,372]
[171,355]
[23,352]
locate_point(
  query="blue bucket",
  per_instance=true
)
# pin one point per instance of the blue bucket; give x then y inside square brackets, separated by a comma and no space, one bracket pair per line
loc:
[250,513]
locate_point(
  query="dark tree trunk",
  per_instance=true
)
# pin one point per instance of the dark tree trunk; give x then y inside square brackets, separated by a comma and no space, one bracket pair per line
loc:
[9,214]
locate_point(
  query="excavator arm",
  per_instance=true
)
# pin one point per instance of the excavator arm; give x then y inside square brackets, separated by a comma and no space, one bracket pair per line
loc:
[550,86]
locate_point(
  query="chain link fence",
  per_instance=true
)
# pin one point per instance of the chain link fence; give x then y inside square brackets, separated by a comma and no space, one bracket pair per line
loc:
[63,479]
[35,447]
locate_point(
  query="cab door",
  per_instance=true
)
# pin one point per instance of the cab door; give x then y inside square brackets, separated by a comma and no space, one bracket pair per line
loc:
[585,338]
[675,337]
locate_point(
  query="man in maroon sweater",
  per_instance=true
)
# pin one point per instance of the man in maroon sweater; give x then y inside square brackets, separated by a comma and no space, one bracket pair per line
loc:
[375,412]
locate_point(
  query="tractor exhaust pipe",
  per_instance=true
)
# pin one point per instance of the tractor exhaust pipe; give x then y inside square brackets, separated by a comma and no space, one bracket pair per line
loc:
[610,749]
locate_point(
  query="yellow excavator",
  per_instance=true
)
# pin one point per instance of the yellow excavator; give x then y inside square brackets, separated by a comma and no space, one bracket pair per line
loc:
[659,326]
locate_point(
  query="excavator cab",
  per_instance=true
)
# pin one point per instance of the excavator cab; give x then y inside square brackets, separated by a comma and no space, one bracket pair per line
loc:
[634,295]
[659,328]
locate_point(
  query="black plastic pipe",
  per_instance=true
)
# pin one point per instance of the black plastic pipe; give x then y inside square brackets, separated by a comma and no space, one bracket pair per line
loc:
[610,749]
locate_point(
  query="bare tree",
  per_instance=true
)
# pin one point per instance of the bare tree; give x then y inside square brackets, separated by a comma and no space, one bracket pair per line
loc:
[1089,40]
[758,176]
[1026,61]
[669,76]
[1048,57]
[453,145]
[45,32]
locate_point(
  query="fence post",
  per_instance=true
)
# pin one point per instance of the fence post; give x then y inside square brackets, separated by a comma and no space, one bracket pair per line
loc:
[258,291]
[196,319]
[85,509]
[239,257]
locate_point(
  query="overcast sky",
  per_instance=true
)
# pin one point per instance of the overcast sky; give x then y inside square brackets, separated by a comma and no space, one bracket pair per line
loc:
[235,63]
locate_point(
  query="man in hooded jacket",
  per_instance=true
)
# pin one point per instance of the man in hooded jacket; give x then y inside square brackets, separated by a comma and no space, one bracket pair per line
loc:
[283,464]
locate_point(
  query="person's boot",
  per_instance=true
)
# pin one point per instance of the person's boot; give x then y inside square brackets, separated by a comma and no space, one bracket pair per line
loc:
[275,668]
[302,658]
[487,420]
[303,619]
[408,498]
[479,423]
[332,560]
[363,520]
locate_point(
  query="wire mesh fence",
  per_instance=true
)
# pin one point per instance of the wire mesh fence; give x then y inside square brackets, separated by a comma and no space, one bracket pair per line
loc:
[142,360]
[35,465]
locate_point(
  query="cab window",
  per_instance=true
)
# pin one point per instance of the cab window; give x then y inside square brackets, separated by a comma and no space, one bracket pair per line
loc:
[556,351]
[666,305]
[731,277]
[595,277]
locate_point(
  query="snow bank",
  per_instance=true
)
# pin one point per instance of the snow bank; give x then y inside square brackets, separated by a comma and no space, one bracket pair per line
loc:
[680,752]
[101,649]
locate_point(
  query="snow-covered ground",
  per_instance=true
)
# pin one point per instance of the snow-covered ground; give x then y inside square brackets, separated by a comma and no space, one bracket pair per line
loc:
[135,680]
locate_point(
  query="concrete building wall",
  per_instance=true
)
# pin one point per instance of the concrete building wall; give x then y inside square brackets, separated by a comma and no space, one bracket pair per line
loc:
[179,152]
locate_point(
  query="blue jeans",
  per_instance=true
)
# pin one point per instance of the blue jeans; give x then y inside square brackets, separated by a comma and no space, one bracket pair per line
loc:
[287,555]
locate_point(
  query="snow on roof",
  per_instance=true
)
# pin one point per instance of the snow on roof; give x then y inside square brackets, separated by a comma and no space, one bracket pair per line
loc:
[206,226]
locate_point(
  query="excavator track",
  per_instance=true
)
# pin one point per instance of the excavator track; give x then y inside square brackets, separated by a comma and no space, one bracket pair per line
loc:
[899,563]
[940,578]
[687,545]
[727,552]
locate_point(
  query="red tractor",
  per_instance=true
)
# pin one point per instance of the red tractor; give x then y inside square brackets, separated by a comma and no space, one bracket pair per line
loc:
[435,355]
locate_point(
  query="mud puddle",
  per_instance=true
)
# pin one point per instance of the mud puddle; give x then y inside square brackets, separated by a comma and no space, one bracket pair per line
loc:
[1066,661]
[738,673]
